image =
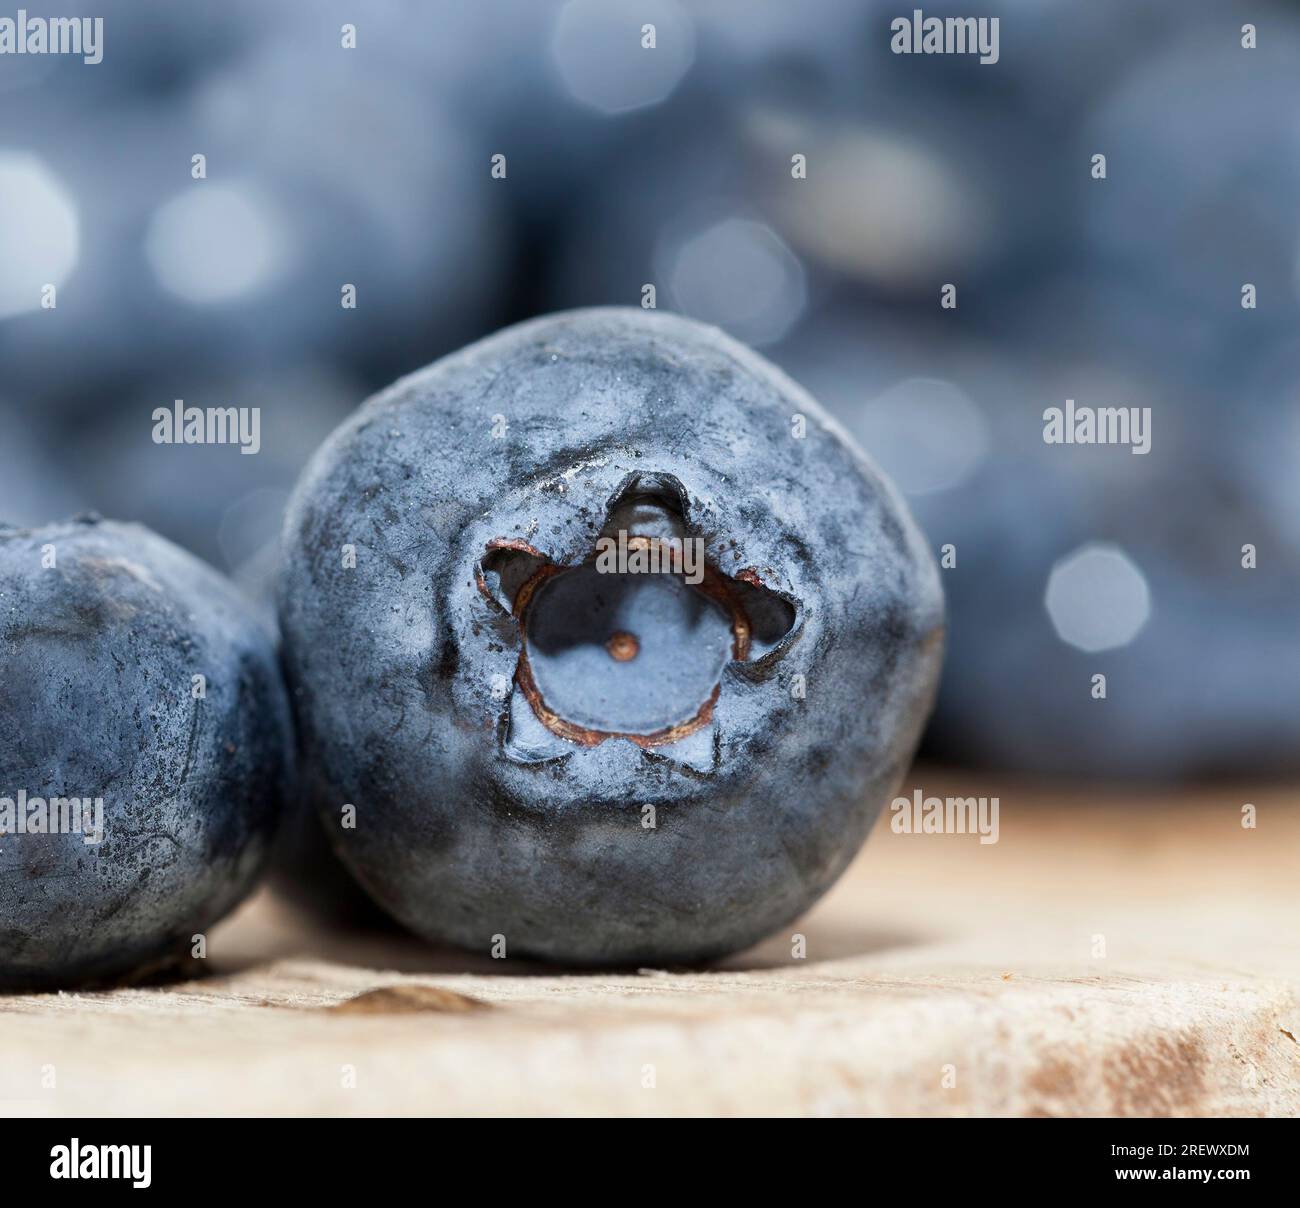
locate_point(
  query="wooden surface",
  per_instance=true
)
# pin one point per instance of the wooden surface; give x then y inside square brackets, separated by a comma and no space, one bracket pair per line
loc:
[1122,953]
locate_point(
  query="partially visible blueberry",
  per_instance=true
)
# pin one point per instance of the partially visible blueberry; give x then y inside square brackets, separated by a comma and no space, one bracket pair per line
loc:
[1109,579]
[134,674]
[176,271]
[1222,167]
[213,499]
[510,748]
[35,481]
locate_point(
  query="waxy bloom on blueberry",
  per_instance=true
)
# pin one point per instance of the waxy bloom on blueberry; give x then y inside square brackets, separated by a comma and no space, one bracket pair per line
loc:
[717,629]
[144,752]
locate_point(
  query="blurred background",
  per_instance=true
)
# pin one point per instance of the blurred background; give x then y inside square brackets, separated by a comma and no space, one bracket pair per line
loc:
[671,167]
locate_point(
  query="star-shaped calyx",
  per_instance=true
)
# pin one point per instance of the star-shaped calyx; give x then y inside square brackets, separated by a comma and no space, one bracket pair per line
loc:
[631,642]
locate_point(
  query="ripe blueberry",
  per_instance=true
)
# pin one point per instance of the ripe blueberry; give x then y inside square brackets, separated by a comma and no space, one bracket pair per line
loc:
[549,746]
[144,746]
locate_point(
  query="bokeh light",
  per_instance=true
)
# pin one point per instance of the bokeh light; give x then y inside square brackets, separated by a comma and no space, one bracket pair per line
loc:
[217,242]
[1097,598]
[39,232]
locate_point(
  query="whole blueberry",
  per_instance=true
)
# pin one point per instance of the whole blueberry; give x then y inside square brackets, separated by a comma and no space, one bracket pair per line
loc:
[523,736]
[144,751]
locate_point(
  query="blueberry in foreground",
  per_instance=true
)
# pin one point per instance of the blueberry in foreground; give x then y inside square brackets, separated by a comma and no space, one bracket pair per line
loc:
[144,752]
[533,721]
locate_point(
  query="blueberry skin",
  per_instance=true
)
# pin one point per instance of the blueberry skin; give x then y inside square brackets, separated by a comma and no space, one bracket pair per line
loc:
[471,820]
[99,655]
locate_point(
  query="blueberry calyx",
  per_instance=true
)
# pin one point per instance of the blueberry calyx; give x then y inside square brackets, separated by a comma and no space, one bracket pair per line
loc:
[629,654]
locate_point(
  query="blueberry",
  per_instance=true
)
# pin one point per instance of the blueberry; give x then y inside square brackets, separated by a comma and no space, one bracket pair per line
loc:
[211,499]
[1108,579]
[163,277]
[1224,160]
[512,746]
[37,483]
[137,799]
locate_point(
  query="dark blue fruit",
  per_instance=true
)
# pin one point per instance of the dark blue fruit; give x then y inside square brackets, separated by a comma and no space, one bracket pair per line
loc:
[103,630]
[590,761]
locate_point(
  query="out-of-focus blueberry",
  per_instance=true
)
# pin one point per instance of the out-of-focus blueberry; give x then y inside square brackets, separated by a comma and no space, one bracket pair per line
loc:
[223,504]
[322,169]
[1202,193]
[408,212]
[148,49]
[616,55]
[37,478]
[1074,561]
